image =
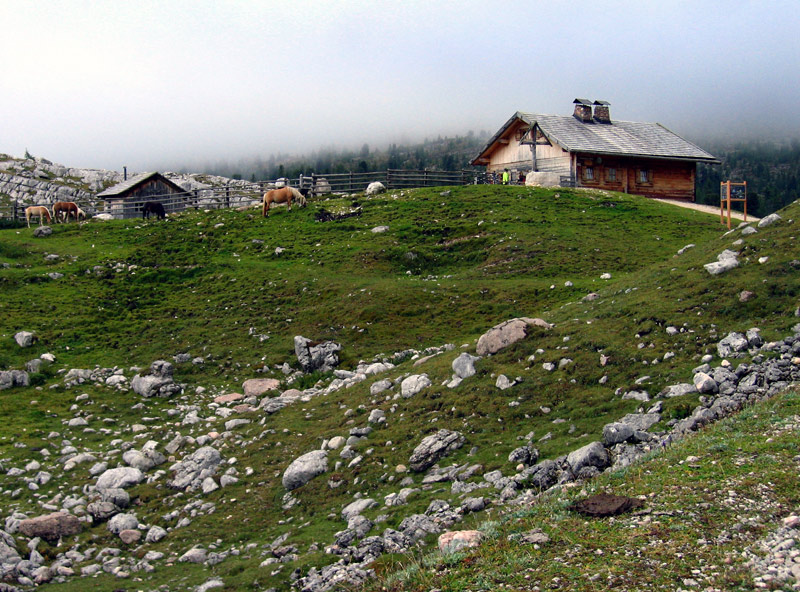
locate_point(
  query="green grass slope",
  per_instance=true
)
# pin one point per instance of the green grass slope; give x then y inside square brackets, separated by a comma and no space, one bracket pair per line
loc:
[707,503]
[235,288]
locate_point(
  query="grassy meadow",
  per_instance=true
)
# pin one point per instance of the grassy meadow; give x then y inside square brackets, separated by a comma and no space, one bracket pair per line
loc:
[234,289]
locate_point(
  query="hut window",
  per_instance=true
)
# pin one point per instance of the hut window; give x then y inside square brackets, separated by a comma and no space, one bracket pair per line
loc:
[645,176]
[611,174]
[588,173]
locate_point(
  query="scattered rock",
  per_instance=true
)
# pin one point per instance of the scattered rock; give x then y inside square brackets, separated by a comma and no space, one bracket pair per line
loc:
[434,447]
[130,536]
[414,384]
[194,555]
[12,378]
[506,333]
[42,231]
[464,365]
[746,295]
[725,262]
[357,507]
[159,383]
[769,220]
[122,522]
[456,540]
[591,455]
[255,387]
[119,478]
[303,469]
[313,356]
[602,505]
[195,468]
[50,527]
[228,398]
[531,537]
[24,338]
[731,345]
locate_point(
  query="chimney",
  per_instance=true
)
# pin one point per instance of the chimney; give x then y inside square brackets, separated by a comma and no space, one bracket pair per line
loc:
[601,112]
[583,110]
[124,173]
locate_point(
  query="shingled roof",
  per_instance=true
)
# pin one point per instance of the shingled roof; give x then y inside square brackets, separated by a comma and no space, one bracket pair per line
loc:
[125,186]
[620,138]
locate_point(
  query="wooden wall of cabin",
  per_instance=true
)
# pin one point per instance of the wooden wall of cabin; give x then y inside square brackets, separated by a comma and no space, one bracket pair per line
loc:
[152,189]
[649,177]
[510,153]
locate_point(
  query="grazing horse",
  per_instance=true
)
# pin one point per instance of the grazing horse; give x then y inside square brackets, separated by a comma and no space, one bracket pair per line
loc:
[62,210]
[283,195]
[80,214]
[40,211]
[155,208]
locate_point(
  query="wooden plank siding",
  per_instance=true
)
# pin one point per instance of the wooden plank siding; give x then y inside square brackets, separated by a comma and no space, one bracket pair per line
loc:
[648,177]
[153,189]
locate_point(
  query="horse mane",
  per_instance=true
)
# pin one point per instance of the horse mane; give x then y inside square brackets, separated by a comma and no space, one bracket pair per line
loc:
[299,195]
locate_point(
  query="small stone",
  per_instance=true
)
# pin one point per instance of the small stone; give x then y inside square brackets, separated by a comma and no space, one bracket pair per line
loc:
[130,536]
[746,295]
[452,541]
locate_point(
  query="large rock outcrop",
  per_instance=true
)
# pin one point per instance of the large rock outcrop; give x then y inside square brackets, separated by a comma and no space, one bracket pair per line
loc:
[316,355]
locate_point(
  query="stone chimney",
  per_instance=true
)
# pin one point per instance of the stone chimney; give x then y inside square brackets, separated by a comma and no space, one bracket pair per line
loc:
[583,110]
[602,114]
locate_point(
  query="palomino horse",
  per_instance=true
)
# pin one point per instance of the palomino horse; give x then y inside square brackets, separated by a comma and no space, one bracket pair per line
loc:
[62,210]
[283,195]
[40,211]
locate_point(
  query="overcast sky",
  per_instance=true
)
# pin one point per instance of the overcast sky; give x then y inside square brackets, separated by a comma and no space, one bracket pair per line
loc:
[159,85]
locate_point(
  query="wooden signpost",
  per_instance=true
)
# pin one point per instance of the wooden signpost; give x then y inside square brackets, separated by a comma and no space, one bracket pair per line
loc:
[731,192]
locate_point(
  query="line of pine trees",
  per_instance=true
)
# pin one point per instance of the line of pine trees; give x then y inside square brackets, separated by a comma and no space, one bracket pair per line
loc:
[443,154]
[771,170]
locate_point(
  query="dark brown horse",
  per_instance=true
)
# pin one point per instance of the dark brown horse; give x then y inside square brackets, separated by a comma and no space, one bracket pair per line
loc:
[155,208]
[283,195]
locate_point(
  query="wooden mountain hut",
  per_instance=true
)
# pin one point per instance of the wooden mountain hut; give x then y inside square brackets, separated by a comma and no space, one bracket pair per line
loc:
[125,199]
[589,149]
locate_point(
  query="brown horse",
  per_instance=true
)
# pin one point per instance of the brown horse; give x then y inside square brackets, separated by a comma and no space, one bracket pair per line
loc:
[40,211]
[283,195]
[62,210]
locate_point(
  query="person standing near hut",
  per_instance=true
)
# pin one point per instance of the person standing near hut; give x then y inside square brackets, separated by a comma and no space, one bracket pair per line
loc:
[506,176]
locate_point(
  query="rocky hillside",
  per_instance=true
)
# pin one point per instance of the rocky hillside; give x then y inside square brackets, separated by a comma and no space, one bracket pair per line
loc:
[40,181]
[225,401]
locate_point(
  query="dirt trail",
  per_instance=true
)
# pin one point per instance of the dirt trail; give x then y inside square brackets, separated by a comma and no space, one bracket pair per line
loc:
[709,209]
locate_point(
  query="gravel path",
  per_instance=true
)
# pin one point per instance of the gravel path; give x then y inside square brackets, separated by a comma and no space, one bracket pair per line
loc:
[709,209]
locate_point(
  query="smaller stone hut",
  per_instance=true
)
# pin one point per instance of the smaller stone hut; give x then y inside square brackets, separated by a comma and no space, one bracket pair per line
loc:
[125,200]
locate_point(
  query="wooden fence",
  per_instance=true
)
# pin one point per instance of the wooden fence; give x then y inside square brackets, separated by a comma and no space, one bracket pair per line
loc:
[249,194]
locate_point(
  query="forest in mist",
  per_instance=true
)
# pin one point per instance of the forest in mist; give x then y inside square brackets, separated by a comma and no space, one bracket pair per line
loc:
[770,167]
